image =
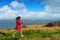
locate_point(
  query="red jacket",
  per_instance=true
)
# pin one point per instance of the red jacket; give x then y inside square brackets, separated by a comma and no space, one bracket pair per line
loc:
[18,24]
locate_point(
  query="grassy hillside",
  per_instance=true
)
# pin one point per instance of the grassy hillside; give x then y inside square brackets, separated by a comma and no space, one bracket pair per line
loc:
[32,32]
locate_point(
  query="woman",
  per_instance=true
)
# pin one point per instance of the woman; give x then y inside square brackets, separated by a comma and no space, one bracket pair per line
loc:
[18,25]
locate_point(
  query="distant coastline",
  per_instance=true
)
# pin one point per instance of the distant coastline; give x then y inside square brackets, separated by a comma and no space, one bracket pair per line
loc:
[6,24]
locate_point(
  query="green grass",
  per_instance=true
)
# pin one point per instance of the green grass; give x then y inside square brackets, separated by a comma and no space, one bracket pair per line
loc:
[32,35]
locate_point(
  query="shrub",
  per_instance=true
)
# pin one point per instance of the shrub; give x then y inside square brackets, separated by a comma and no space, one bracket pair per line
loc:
[49,25]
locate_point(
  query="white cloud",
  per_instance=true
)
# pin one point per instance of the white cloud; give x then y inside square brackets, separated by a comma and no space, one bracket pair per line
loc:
[16,4]
[54,5]
[53,2]
[20,7]
[21,11]
[50,9]
[50,12]
[7,12]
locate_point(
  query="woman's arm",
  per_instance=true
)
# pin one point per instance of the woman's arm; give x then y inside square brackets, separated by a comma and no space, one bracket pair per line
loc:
[20,22]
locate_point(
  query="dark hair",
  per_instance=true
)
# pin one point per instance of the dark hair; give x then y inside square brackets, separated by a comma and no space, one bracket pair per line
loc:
[18,17]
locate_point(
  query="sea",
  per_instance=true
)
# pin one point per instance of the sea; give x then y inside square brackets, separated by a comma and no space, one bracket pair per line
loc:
[8,24]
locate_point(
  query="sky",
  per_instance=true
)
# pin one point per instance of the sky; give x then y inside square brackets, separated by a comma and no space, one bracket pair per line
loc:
[30,9]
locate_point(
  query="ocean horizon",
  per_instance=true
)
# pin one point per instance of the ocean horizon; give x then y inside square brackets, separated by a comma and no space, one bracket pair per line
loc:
[8,24]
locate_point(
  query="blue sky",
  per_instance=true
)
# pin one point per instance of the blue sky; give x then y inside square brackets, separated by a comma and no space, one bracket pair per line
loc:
[30,9]
[31,5]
